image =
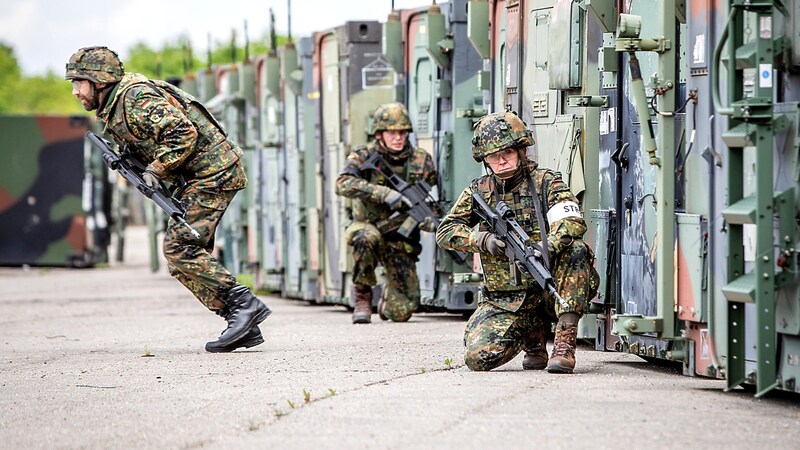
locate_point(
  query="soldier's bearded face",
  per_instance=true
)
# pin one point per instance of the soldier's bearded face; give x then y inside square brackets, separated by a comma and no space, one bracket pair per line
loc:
[85,92]
[394,140]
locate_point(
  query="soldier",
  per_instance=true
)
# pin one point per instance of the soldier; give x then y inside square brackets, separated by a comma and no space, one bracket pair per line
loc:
[377,216]
[172,134]
[512,317]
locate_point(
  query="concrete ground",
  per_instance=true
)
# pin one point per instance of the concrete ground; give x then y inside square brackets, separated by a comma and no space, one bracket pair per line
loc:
[113,358]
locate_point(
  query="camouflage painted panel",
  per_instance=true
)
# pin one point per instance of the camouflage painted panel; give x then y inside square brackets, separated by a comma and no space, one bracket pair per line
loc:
[42,221]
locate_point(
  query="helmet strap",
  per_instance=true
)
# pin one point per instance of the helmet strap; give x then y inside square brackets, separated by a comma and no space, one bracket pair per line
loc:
[523,157]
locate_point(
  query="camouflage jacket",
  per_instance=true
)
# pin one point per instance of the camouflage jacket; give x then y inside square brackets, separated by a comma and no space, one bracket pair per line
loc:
[458,229]
[172,133]
[360,186]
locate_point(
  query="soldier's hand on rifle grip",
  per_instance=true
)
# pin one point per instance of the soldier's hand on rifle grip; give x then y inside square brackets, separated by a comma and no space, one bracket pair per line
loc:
[394,199]
[428,225]
[488,242]
[551,249]
[404,201]
[150,179]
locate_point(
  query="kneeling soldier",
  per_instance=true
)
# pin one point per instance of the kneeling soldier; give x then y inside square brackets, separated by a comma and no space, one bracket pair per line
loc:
[513,317]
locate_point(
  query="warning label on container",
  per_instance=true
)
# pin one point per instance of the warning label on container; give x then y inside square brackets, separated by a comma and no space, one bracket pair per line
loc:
[378,74]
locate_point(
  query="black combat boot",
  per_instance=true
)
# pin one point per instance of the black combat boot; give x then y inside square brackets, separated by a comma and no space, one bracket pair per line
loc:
[563,358]
[535,350]
[245,312]
[251,339]
[362,311]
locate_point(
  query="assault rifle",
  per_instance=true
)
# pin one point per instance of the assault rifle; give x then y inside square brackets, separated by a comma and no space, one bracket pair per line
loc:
[418,193]
[422,204]
[131,169]
[523,255]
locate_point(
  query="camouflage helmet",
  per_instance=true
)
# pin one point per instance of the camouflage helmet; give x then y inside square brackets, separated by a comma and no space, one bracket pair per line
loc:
[96,64]
[499,131]
[391,116]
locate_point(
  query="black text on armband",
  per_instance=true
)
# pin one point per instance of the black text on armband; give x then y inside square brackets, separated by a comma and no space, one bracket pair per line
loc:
[562,210]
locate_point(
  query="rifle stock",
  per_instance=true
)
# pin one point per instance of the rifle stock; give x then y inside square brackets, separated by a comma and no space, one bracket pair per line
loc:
[522,254]
[131,170]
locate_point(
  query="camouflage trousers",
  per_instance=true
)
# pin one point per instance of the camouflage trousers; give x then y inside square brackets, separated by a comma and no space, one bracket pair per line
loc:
[504,322]
[494,336]
[189,259]
[401,293]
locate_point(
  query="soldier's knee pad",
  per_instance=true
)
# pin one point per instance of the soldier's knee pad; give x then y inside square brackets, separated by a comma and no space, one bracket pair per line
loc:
[359,238]
[399,318]
[477,364]
[361,241]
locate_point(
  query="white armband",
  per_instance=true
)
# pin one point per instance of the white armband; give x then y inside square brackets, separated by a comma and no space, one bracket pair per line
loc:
[562,210]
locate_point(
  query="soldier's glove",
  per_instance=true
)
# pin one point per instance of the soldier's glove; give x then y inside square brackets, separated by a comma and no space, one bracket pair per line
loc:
[150,179]
[489,243]
[428,225]
[394,199]
[551,249]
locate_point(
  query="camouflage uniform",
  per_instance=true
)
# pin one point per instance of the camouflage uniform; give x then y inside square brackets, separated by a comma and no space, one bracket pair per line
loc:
[174,135]
[374,235]
[508,315]
[171,132]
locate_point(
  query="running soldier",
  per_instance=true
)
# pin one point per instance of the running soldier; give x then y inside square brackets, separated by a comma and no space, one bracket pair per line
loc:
[172,134]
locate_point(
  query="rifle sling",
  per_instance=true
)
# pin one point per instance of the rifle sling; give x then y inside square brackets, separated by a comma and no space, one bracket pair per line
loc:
[539,218]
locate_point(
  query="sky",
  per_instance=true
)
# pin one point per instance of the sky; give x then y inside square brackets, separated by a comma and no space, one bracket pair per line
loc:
[44,33]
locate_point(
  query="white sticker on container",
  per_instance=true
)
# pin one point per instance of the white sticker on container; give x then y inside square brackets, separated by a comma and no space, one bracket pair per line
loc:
[765,75]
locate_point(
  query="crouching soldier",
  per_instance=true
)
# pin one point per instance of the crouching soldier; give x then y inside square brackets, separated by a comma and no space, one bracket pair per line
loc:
[515,317]
[378,213]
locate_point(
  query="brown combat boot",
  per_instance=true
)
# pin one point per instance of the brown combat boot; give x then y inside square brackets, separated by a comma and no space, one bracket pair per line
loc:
[362,312]
[562,360]
[535,350]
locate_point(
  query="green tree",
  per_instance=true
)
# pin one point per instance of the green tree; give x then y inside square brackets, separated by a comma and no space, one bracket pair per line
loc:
[176,58]
[50,94]
[168,61]
[10,75]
